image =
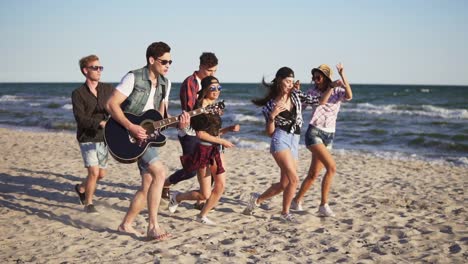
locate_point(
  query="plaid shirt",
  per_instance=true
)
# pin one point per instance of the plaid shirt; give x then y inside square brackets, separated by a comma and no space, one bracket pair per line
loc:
[298,98]
[188,92]
[324,116]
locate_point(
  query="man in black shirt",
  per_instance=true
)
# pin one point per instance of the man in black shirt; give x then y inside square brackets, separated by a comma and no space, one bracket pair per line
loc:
[90,114]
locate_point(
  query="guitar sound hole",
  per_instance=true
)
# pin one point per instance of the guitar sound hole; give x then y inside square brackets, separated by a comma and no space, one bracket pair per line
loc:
[150,130]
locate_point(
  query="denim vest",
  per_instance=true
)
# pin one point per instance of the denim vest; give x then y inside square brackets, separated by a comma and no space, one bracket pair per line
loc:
[136,101]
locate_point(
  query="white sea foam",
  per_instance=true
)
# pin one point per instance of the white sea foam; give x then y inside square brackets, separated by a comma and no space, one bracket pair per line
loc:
[68,107]
[237,103]
[251,144]
[423,110]
[400,156]
[11,98]
[176,102]
[247,118]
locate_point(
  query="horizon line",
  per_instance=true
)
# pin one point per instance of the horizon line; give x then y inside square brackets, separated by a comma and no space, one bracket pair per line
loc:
[75,82]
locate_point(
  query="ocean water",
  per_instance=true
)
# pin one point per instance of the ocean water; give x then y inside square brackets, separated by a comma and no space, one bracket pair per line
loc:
[394,121]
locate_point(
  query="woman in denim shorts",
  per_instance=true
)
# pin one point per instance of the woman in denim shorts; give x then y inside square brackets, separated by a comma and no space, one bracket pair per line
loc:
[282,108]
[321,131]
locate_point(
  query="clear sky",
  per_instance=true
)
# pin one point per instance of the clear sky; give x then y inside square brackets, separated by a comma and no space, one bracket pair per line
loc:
[379,42]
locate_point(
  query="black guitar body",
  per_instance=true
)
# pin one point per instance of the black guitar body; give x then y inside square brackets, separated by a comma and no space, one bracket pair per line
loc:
[124,147]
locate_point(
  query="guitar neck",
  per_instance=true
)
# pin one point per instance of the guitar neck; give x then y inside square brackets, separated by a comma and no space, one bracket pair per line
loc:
[172,120]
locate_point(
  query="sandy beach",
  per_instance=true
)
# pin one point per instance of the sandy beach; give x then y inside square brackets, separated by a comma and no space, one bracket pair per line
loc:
[388,211]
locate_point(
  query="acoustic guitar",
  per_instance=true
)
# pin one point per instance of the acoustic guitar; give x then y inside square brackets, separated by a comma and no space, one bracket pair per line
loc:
[127,149]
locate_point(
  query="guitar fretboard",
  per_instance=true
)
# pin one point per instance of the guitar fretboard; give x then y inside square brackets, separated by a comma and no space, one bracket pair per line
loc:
[171,120]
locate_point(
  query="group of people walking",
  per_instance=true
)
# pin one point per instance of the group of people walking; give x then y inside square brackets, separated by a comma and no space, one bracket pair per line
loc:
[200,136]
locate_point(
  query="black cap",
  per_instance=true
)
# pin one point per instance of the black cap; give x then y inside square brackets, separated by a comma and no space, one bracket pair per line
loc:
[207,82]
[284,72]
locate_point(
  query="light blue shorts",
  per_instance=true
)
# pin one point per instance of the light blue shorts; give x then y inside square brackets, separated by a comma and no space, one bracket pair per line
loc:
[94,154]
[281,140]
[315,136]
[150,156]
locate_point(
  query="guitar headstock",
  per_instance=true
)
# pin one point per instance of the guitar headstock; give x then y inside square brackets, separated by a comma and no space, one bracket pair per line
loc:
[216,108]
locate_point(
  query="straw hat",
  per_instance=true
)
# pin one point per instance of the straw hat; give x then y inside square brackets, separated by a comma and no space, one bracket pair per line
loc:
[325,70]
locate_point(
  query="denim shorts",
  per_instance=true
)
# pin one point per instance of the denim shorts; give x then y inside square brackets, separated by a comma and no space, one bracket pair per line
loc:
[151,155]
[315,136]
[94,154]
[281,140]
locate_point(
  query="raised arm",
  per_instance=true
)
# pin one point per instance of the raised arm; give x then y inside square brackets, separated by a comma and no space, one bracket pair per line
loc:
[308,99]
[348,91]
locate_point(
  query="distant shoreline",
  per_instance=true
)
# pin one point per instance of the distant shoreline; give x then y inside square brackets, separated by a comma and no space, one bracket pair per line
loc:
[303,83]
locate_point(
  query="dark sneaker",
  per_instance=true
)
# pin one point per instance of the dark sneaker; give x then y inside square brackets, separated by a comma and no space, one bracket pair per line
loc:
[81,195]
[90,209]
[165,192]
[198,206]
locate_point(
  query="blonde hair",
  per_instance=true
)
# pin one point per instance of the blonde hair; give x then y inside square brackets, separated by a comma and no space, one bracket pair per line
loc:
[85,61]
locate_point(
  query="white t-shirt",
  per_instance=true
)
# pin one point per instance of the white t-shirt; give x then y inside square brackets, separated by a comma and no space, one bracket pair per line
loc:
[126,87]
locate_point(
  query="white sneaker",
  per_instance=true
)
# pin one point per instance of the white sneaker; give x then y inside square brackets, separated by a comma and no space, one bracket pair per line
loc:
[289,218]
[204,220]
[173,204]
[251,204]
[296,206]
[326,211]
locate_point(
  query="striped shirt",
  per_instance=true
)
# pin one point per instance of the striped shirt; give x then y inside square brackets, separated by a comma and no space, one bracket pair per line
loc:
[298,98]
[324,116]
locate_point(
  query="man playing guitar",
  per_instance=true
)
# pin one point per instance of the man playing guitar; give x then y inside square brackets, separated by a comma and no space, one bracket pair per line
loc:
[140,90]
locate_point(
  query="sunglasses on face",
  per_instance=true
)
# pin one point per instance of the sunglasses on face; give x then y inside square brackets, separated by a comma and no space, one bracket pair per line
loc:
[316,78]
[164,62]
[215,88]
[96,68]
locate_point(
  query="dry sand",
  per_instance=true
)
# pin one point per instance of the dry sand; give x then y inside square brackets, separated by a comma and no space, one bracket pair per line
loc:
[388,211]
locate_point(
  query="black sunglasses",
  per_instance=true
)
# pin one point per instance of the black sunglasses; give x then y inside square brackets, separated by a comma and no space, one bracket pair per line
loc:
[317,77]
[164,62]
[96,68]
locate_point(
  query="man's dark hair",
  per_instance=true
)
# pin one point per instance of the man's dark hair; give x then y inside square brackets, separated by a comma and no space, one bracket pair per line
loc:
[208,59]
[156,50]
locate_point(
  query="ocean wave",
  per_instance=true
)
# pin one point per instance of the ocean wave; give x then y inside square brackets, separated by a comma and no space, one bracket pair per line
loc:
[68,107]
[250,144]
[247,118]
[11,98]
[237,103]
[420,110]
[401,156]
[175,102]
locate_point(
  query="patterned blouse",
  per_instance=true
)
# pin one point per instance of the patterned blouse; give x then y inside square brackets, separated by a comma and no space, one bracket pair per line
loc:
[298,98]
[324,116]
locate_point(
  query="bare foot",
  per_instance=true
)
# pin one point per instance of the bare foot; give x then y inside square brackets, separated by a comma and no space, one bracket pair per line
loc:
[129,230]
[158,234]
